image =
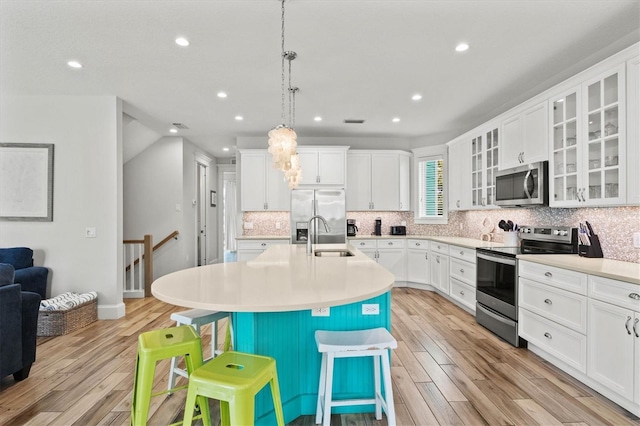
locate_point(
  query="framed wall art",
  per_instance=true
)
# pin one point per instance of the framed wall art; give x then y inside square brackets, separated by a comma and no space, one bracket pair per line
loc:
[26,182]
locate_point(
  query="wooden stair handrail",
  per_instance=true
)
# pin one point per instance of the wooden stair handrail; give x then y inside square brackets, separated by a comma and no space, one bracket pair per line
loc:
[157,246]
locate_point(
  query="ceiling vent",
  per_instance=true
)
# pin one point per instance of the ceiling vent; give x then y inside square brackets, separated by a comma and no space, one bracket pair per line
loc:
[352,121]
[180,126]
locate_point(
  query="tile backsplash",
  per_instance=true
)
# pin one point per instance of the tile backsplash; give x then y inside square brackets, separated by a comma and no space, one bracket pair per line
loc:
[614,225]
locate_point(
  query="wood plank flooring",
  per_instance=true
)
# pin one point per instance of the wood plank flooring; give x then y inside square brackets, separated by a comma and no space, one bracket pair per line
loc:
[447,370]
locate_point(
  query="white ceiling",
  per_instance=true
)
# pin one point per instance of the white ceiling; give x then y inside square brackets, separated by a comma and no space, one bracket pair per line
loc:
[356,59]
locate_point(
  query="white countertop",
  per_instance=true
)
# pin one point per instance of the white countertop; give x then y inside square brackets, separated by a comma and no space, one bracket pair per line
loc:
[608,268]
[264,237]
[283,278]
[456,241]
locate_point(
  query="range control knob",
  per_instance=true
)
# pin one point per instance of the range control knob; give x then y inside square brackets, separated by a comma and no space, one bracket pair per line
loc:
[563,233]
[556,232]
[527,230]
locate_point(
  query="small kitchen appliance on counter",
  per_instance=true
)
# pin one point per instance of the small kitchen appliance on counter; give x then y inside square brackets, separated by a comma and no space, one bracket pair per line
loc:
[352,229]
[497,276]
[398,230]
[378,227]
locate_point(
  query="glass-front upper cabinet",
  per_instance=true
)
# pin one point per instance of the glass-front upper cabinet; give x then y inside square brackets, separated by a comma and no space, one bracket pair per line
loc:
[563,184]
[588,143]
[484,165]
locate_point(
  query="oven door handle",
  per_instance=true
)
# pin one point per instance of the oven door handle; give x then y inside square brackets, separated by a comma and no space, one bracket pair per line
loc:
[494,316]
[498,259]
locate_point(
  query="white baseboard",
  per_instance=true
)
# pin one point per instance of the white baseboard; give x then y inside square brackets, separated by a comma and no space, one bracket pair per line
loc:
[107,312]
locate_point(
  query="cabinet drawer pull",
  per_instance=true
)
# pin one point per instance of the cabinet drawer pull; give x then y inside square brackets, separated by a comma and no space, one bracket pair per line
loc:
[361,244]
[635,327]
[461,253]
[547,335]
[462,271]
[417,244]
[263,244]
[635,296]
[547,301]
[461,293]
[390,244]
[626,325]
[548,274]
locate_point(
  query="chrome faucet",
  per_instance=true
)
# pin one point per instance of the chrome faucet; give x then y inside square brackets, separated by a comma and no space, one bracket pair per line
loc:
[326,227]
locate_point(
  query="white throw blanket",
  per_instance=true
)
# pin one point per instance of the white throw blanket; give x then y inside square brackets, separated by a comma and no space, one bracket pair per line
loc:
[67,301]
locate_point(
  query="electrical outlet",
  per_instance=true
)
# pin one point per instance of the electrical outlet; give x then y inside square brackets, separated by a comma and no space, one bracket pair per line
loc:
[248,225]
[90,232]
[370,309]
[278,225]
[320,312]
[636,239]
[403,223]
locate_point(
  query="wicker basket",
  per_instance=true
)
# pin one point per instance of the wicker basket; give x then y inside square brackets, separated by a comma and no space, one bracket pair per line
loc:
[57,323]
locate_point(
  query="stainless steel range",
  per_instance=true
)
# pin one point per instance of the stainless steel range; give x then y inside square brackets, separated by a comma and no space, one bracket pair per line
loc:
[497,276]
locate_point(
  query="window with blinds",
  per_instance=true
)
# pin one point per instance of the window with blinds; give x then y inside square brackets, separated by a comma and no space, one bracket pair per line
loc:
[431,188]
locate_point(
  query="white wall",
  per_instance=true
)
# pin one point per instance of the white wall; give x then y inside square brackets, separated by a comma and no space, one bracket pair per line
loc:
[87,134]
[159,186]
[251,142]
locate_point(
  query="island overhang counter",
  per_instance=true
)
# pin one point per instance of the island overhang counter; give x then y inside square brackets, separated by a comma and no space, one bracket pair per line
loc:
[271,299]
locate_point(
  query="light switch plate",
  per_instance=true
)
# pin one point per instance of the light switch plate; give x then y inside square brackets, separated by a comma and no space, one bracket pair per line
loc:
[248,225]
[636,239]
[370,309]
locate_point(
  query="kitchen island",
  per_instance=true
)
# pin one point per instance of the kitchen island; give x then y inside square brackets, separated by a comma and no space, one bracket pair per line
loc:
[278,301]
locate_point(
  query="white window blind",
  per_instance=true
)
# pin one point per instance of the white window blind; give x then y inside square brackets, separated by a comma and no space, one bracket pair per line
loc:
[431,188]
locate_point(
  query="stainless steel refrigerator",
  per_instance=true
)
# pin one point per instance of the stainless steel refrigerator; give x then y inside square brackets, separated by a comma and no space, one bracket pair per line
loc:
[328,203]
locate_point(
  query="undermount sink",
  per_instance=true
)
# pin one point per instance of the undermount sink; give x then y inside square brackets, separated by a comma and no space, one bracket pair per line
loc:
[332,253]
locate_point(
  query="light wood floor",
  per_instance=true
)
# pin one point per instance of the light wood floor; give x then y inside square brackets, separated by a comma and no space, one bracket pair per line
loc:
[447,370]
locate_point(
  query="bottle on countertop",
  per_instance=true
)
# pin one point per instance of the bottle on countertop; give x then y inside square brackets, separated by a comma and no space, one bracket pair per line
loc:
[378,227]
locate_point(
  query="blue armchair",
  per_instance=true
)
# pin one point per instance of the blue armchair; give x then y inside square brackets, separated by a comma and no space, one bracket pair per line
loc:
[18,326]
[32,278]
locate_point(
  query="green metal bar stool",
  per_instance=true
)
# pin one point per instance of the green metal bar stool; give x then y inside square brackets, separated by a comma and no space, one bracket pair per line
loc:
[154,346]
[233,378]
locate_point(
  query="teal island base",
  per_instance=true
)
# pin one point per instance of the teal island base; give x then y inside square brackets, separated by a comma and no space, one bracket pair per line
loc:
[289,338]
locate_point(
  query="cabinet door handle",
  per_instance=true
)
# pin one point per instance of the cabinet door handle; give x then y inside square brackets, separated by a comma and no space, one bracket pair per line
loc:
[426,256]
[458,203]
[548,335]
[626,325]
[635,327]
[317,179]
[548,301]
[461,253]
[548,274]
[461,293]
[634,296]
[400,205]
[437,259]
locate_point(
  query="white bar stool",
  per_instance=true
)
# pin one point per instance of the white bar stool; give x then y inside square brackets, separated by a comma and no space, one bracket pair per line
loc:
[374,342]
[197,318]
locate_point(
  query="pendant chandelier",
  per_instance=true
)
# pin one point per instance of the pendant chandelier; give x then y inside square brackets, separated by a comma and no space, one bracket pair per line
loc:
[282,138]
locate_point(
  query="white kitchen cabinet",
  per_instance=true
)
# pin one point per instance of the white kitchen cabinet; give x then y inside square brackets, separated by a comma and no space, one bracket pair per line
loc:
[485,147]
[552,311]
[614,336]
[588,143]
[389,253]
[525,137]
[323,166]
[459,174]
[462,276]
[378,180]
[462,294]
[250,249]
[439,266]
[418,261]
[633,131]
[262,187]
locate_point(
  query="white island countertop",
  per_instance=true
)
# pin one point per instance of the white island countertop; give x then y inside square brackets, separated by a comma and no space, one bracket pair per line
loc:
[283,278]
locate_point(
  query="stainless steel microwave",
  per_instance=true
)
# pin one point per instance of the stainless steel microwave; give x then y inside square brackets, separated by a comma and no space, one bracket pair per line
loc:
[523,186]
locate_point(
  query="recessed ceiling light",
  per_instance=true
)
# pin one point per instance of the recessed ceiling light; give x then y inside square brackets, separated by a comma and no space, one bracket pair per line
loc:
[74,64]
[222,95]
[396,119]
[416,97]
[181,41]
[239,118]
[462,47]
[173,130]
[225,149]
[318,118]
